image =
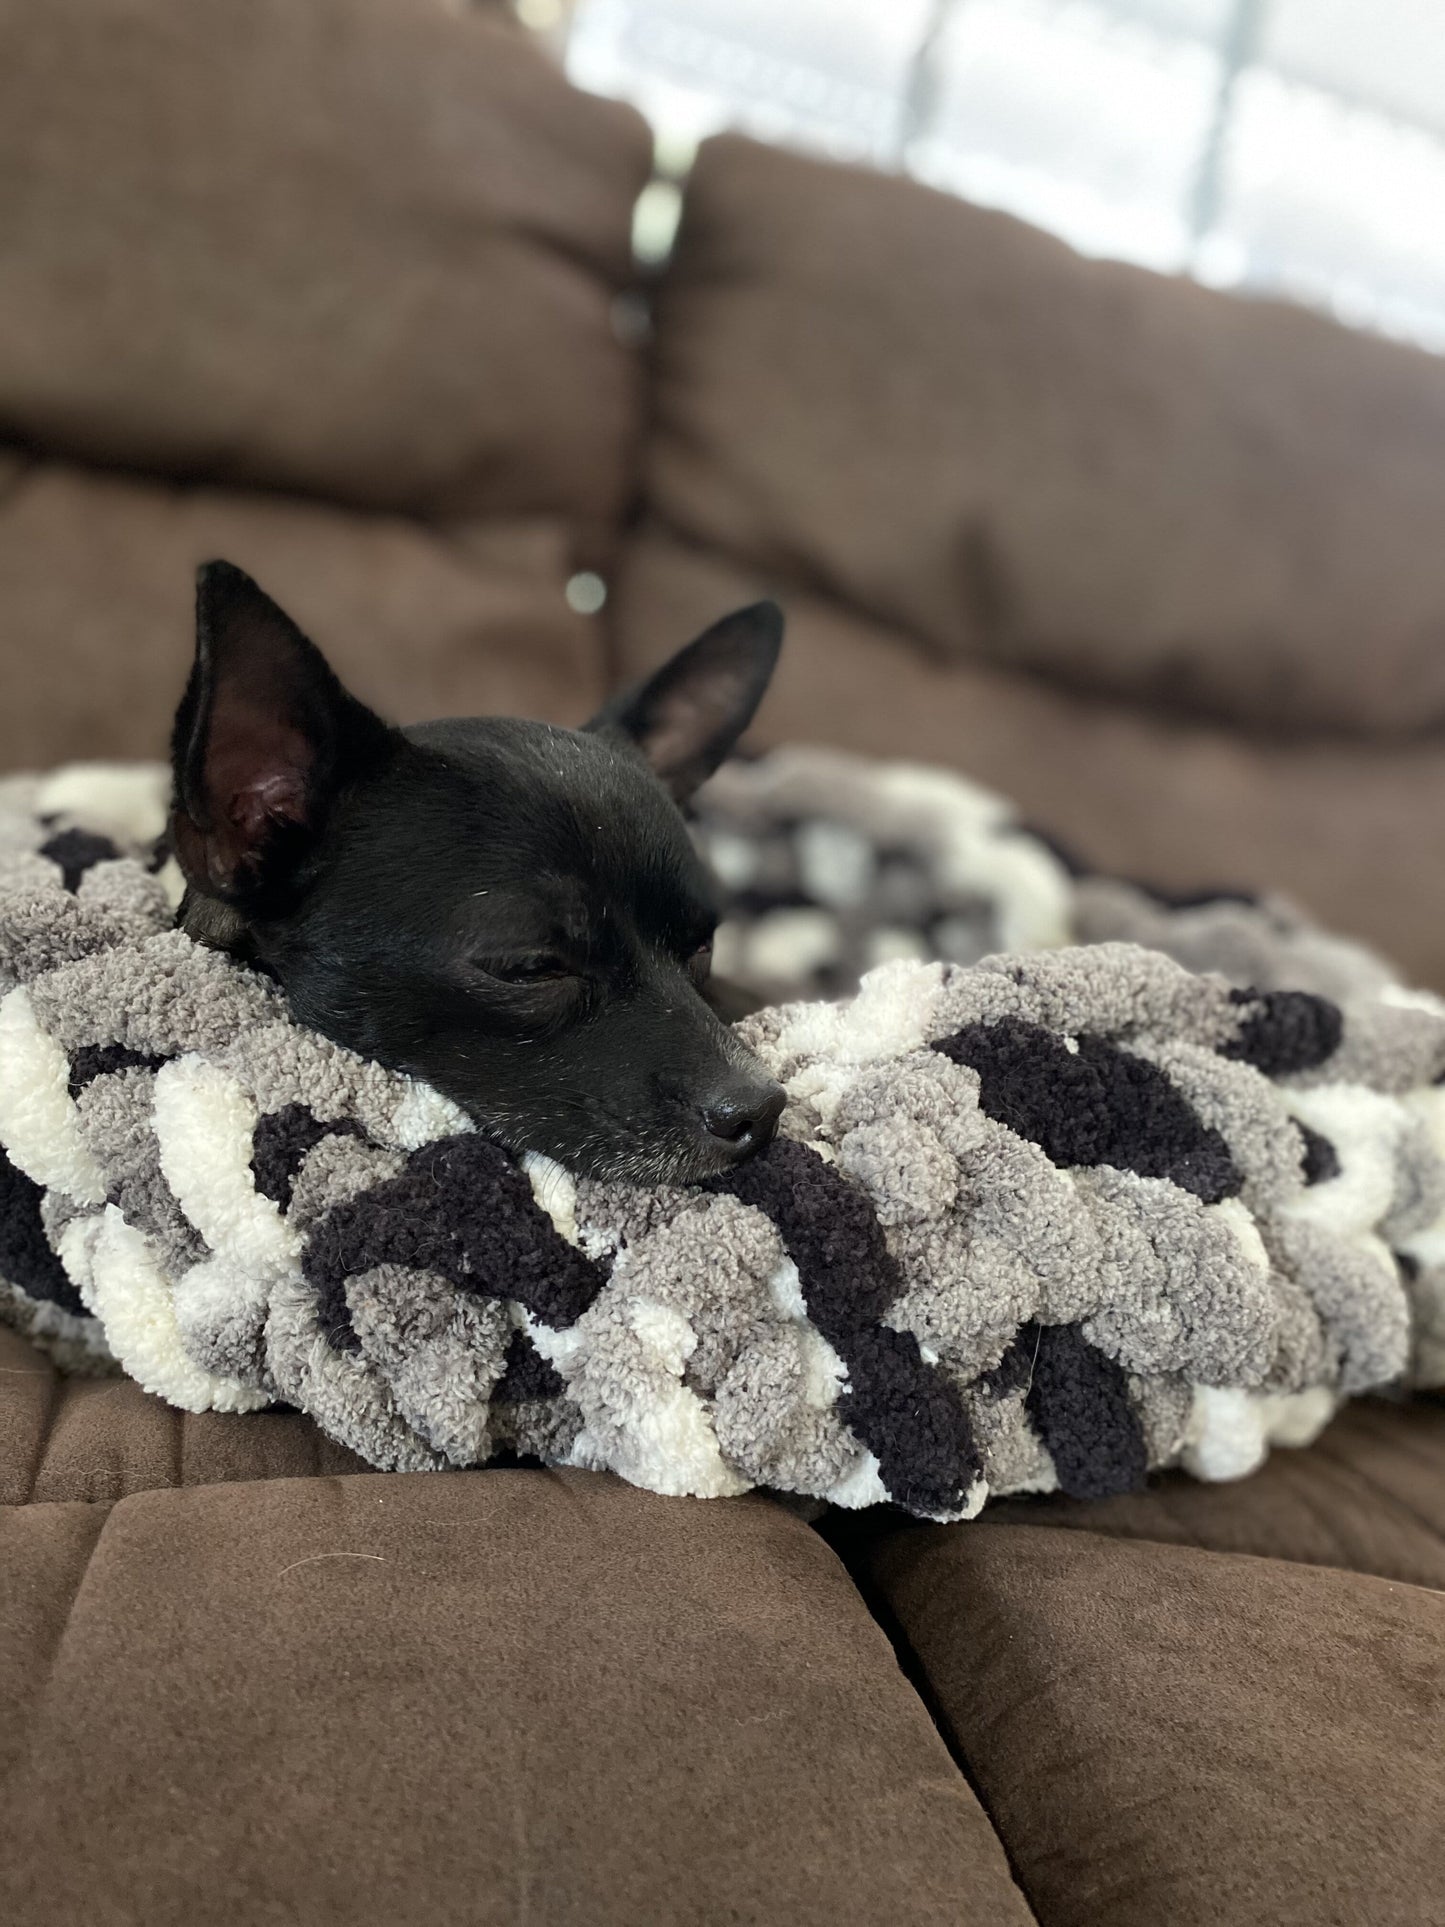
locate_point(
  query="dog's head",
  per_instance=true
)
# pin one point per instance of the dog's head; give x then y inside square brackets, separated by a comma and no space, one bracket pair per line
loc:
[512,911]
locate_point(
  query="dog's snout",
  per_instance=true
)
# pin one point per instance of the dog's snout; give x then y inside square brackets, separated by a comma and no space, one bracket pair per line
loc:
[744,1120]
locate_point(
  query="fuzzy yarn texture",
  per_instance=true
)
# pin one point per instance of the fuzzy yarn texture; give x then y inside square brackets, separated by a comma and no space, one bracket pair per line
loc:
[1077,1183]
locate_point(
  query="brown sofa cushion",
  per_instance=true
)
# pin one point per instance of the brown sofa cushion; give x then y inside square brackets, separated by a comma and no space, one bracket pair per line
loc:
[365,248]
[1368,1495]
[67,1441]
[97,624]
[506,1696]
[956,425]
[1167,1735]
[1160,1734]
[1355,830]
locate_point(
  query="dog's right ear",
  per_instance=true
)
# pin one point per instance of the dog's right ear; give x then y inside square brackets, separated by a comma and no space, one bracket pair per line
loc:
[264,739]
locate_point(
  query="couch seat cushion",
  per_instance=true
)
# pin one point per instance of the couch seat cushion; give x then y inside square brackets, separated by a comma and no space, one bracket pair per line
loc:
[490,1697]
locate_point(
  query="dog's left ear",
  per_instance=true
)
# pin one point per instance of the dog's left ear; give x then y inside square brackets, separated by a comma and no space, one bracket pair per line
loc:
[690,713]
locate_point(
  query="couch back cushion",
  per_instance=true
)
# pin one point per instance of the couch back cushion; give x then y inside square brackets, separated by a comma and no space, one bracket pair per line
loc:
[366,249]
[97,589]
[961,429]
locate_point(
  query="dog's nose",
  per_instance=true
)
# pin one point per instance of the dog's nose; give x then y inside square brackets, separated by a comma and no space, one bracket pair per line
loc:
[745,1121]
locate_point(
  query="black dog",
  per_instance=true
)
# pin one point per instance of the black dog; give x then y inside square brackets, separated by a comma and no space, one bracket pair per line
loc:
[512,911]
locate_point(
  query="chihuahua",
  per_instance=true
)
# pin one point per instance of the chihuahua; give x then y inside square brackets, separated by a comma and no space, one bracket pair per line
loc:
[511,911]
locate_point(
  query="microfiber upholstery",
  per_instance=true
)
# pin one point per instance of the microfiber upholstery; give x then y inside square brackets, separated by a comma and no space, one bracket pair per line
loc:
[1157,562]
[329,290]
[1167,1734]
[421,619]
[957,427]
[68,1441]
[517,1697]
[264,244]
[1179,1736]
[1368,1498]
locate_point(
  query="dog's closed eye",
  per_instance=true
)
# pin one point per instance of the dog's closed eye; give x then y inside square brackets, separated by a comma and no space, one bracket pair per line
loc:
[540,967]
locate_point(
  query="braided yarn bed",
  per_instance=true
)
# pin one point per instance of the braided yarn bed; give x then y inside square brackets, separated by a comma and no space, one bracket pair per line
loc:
[1079,1183]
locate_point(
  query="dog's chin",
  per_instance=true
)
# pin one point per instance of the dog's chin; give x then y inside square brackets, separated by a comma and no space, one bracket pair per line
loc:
[641,1161]
[653,1164]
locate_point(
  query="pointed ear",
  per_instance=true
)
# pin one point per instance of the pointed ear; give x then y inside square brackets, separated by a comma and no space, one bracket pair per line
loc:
[264,738]
[689,715]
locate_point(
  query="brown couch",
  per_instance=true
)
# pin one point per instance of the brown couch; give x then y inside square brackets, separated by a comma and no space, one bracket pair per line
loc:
[342,289]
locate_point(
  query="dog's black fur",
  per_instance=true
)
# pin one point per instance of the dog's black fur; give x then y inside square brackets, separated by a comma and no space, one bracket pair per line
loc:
[512,911]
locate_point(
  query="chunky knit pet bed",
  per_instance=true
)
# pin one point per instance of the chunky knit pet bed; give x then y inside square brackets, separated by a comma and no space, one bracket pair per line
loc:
[1047,1218]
